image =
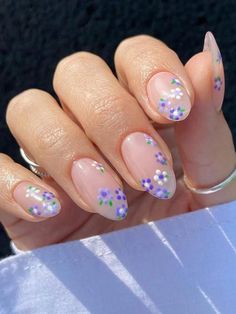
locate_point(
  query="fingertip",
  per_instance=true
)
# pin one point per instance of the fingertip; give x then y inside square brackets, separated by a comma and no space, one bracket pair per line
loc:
[199,71]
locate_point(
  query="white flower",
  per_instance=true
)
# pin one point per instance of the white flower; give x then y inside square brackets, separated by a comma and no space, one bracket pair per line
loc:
[32,191]
[161,177]
[176,93]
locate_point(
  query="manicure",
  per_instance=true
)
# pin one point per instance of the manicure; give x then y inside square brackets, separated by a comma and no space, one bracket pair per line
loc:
[218,81]
[149,165]
[99,189]
[168,96]
[37,201]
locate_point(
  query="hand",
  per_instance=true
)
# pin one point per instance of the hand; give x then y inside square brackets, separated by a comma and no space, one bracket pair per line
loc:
[103,138]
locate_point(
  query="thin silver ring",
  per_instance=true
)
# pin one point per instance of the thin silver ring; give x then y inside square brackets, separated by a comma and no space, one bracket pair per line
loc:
[34,167]
[212,189]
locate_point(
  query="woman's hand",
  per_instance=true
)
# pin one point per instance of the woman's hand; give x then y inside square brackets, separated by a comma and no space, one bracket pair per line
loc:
[105,138]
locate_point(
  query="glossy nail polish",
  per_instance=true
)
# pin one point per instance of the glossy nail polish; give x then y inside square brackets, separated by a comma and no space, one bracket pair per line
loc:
[168,96]
[149,165]
[99,189]
[36,200]
[218,80]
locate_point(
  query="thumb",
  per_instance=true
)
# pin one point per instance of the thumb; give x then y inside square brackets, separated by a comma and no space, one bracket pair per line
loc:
[204,139]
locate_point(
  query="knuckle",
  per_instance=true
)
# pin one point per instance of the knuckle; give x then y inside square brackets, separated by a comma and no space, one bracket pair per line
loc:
[21,103]
[52,141]
[4,159]
[74,64]
[108,114]
[134,40]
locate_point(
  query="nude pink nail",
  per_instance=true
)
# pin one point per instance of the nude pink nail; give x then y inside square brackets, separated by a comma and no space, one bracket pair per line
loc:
[149,165]
[218,80]
[99,189]
[168,96]
[36,200]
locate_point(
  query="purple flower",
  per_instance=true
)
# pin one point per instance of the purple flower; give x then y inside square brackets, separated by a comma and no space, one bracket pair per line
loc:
[163,105]
[162,193]
[176,113]
[218,83]
[121,211]
[161,158]
[120,195]
[47,196]
[105,197]
[147,184]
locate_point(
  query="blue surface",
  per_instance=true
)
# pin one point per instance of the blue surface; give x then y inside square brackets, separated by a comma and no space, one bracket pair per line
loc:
[185,264]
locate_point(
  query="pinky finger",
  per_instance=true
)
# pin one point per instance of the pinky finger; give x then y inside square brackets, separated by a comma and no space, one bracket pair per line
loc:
[24,195]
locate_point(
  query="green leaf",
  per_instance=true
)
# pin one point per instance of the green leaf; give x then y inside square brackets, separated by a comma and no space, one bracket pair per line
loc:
[101,202]
[110,203]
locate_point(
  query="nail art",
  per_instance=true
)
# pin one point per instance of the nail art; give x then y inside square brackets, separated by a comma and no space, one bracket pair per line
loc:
[149,165]
[218,84]
[36,200]
[99,189]
[168,96]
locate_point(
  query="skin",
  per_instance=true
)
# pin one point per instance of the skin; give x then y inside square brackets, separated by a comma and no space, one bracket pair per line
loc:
[99,109]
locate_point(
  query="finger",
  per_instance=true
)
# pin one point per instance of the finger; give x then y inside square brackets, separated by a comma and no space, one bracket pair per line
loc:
[204,139]
[153,73]
[24,195]
[59,146]
[112,119]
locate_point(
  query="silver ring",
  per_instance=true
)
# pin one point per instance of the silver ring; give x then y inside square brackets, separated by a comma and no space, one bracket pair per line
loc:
[212,189]
[34,167]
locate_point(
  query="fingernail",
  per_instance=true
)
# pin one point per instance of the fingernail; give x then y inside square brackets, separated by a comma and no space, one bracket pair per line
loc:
[37,201]
[218,84]
[99,189]
[149,165]
[168,96]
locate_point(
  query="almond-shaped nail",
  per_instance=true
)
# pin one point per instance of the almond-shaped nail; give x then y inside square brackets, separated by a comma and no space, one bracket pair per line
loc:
[99,189]
[36,200]
[148,165]
[168,96]
[218,79]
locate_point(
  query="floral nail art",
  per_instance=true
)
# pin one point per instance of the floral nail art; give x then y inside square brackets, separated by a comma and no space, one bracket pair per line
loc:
[121,211]
[107,197]
[161,177]
[46,203]
[162,193]
[99,188]
[176,113]
[120,195]
[98,166]
[158,184]
[218,83]
[161,158]
[176,82]
[147,184]
[150,140]
[168,103]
